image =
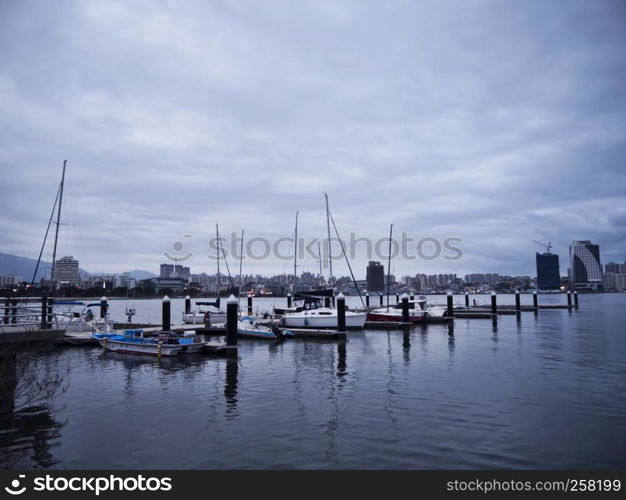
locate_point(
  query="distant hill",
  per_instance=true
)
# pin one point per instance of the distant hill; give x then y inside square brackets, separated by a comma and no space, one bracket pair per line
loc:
[25,267]
[139,275]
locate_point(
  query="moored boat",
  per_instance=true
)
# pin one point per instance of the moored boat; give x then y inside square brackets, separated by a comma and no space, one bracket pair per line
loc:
[322,317]
[133,341]
[248,326]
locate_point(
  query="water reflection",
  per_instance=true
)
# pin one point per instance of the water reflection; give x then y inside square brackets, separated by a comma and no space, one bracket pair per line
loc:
[230,388]
[28,386]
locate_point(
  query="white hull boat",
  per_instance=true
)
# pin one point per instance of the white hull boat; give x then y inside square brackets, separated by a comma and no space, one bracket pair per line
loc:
[323,317]
[249,327]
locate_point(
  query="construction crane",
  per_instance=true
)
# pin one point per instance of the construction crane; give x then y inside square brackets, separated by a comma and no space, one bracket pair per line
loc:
[548,246]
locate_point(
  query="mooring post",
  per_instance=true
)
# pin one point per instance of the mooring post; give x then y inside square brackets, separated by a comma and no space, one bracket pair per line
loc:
[518,302]
[367,300]
[44,310]
[569,299]
[50,304]
[166,322]
[249,305]
[341,313]
[397,298]
[466,299]
[14,311]
[535,300]
[288,300]
[187,304]
[381,299]
[103,307]
[7,303]
[494,308]
[450,305]
[231,320]
[405,308]
[575,299]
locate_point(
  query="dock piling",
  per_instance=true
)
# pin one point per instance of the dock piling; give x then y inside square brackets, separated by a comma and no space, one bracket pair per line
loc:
[249,305]
[288,300]
[569,299]
[103,307]
[166,322]
[397,298]
[44,310]
[405,308]
[341,313]
[367,300]
[494,309]
[14,312]
[450,305]
[518,303]
[535,300]
[466,299]
[187,304]
[231,321]
[381,299]
[7,304]
[575,299]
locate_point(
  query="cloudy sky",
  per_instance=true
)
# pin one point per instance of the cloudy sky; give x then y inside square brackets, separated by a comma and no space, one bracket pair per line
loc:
[496,122]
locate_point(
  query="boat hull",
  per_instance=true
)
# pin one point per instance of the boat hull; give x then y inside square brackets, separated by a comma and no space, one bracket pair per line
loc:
[312,319]
[384,316]
[147,349]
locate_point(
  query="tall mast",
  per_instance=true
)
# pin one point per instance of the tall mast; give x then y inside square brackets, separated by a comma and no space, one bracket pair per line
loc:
[217,233]
[56,232]
[330,257]
[240,261]
[389,264]
[295,256]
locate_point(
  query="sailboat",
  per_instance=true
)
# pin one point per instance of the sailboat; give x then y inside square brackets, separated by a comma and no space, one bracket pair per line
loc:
[312,314]
[211,312]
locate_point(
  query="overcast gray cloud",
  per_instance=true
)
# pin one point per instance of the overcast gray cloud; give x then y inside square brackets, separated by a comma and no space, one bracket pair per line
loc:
[497,122]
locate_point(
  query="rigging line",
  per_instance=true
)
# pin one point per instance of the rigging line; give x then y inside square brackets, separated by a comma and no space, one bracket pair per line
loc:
[343,250]
[230,278]
[32,283]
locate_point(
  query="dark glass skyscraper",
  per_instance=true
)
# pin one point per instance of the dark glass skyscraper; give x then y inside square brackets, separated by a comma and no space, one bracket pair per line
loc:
[375,277]
[548,273]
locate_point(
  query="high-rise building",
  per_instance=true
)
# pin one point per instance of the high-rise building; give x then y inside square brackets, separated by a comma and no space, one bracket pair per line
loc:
[66,271]
[174,271]
[375,277]
[585,269]
[612,267]
[548,272]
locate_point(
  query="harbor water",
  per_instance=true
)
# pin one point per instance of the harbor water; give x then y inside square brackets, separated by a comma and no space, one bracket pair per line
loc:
[545,391]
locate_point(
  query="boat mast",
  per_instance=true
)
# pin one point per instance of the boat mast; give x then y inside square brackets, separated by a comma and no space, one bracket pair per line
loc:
[217,233]
[330,257]
[389,265]
[295,256]
[56,232]
[240,262]
[319,259]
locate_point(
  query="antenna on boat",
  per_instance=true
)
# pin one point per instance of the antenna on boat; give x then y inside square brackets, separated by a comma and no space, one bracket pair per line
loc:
[295,256]
[389,265]
[56,233]
[330,255]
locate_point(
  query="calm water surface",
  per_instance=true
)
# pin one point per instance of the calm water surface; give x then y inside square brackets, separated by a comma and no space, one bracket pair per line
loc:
[545,392]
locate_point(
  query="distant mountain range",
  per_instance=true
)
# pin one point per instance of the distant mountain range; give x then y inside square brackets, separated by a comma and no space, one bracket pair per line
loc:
[25,267]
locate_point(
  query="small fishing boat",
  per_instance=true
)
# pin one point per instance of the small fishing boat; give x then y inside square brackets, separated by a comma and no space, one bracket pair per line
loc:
[133,341]
[249,326]
[211,313]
